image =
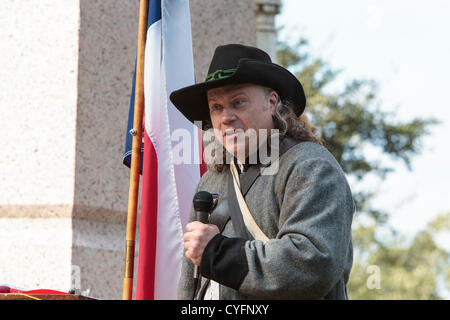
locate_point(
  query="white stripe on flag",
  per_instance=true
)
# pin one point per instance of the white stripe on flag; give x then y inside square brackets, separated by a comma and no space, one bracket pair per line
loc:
[169,66]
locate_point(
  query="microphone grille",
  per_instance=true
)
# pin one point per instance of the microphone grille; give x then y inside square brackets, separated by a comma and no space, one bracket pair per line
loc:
[203,201]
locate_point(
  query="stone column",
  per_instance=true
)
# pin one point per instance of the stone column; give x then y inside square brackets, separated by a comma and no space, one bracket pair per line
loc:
[38,101]
[106,56]
[218,22]
[265,25]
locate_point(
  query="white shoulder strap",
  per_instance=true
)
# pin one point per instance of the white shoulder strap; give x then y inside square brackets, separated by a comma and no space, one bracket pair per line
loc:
[249,221]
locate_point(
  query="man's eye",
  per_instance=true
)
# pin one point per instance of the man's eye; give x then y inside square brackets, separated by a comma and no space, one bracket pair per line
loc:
[238,102]
[216,107]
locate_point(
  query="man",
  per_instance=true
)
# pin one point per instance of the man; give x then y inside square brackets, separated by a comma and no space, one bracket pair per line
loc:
[282,235]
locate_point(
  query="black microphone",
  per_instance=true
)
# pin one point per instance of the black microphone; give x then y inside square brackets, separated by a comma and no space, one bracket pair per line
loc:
[203,203]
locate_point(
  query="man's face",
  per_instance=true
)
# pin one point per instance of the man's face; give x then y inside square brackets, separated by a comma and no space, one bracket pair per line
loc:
[234,109]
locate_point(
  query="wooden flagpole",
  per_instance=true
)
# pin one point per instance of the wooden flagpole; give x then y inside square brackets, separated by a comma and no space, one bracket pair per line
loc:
[135,154]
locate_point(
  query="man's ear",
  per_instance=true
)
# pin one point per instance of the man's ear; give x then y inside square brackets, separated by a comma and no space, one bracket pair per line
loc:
[273,100]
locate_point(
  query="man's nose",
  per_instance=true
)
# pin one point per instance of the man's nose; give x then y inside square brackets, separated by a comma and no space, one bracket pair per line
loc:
[228,115]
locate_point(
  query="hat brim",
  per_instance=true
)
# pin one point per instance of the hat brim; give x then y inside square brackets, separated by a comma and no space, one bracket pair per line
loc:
[192,102]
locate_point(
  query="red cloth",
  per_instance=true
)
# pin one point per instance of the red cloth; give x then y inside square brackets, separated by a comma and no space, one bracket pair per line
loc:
[43,291]
[6,289]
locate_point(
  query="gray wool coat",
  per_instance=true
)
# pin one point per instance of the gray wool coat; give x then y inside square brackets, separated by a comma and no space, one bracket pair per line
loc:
[306,210]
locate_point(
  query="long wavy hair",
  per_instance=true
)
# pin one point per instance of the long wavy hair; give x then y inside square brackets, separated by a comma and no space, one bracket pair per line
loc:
[285,120]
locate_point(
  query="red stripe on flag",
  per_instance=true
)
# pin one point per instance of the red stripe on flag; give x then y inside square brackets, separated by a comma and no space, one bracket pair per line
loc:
[145,289]
[203,165]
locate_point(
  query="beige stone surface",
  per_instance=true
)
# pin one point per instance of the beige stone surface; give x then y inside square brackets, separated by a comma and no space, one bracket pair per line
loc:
[38,99]
[36,211]
[98,250]
[108,40]
[218,22]
[36,253]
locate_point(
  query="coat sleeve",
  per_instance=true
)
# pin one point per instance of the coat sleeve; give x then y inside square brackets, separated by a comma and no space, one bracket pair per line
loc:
[308,256]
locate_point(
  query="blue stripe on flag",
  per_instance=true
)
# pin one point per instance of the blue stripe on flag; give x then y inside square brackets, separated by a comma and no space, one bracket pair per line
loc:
[128,136]
[154,14]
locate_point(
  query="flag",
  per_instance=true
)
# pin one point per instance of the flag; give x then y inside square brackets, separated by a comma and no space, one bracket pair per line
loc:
[128,136]
[168,184]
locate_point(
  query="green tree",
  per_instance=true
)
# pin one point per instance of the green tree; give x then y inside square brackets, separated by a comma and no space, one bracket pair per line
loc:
[399,269]
[350,121]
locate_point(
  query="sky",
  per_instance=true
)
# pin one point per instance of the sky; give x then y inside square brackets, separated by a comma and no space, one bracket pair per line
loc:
[404,46]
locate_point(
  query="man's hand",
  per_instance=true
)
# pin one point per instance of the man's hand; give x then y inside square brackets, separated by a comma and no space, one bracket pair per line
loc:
[196,238]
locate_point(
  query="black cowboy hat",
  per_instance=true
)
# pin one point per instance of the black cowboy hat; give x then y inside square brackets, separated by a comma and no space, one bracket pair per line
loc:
[236,63]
